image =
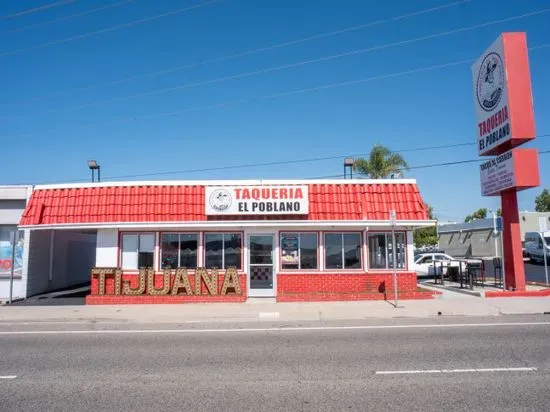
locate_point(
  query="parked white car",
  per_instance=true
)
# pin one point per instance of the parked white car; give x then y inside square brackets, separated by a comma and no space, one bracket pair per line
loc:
[424,263]
[536,245]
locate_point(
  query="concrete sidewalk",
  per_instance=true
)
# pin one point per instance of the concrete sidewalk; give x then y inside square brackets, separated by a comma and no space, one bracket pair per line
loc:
[254,312]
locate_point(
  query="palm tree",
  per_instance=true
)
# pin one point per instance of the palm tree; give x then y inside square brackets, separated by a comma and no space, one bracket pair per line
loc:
[382,163]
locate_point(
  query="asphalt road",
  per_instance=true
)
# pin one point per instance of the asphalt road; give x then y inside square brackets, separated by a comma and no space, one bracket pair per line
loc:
[291,370]
[535,272]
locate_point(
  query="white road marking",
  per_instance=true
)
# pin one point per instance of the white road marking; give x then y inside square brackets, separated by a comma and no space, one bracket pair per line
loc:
[271,329]
[411,372]
[8,377]
[268,315]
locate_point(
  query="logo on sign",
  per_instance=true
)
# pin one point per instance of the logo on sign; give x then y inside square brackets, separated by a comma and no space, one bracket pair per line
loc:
[220,200]
[490,82]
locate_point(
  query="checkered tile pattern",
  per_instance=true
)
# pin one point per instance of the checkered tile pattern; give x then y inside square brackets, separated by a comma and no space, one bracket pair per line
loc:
[261,277]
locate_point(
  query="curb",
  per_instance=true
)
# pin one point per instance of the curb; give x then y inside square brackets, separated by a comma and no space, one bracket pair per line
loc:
[462,291]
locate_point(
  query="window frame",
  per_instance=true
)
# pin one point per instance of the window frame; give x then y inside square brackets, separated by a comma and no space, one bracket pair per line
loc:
[224,232]
[342,233]
[180,232]
[121,234]
[299,232]
[388,233]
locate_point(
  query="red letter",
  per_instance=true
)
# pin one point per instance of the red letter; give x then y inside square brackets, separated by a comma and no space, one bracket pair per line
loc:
[298,194]
[238,193]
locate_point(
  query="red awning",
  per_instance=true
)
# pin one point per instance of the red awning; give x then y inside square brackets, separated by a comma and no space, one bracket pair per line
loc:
[185,203]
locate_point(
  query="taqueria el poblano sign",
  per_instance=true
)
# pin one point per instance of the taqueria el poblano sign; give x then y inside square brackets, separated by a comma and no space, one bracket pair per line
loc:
[257,200]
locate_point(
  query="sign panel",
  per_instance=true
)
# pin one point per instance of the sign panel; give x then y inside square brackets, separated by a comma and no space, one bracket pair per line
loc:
[499,224]
[517,168]
[257,200]
[7,260]
[502,96]
[497,174]
[543,224]
[289,250]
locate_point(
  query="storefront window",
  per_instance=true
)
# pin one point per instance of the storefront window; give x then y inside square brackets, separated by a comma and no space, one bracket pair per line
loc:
[343,251]
[179,250]
[299,251]
[138,250]
[381,250]
[222,250]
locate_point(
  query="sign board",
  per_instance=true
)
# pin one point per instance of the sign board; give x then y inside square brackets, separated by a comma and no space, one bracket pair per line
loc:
[517,168]
[289,250]
[7,260]
[502,95]
[543,224]
[257,200]
[499,224]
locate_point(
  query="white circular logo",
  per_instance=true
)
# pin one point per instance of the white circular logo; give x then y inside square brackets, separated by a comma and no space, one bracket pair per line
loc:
[490,82]
[220,200]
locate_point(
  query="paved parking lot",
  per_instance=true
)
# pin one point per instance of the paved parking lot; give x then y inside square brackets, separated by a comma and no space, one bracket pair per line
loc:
[535,272]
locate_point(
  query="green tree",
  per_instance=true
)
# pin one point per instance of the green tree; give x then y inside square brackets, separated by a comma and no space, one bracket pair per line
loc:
[479,214]
[426,236]
[381,163]
[542,202]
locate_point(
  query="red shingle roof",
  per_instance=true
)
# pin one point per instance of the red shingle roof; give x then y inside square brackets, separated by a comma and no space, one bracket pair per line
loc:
[180,203]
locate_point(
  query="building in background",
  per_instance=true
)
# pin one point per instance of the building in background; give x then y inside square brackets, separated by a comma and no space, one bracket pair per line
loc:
[13,200]
[477,239]
[208,241]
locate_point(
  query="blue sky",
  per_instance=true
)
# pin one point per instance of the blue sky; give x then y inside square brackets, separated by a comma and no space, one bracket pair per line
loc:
[49,130]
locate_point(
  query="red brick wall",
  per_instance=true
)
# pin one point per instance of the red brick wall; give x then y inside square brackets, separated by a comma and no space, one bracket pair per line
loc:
[316,287]
[111,298]
[344,282]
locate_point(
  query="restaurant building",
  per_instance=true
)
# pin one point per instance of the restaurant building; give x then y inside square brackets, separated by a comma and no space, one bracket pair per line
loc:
[228,241]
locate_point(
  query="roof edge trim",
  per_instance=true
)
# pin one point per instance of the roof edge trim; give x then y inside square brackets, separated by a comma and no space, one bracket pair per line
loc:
[224,183]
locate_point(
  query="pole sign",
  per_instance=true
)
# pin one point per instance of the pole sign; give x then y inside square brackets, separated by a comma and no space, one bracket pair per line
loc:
[543,224]
[257,200]
[502,95]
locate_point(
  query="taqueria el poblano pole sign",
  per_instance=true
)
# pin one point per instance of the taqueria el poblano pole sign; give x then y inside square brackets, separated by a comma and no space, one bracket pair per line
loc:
[505,116]
[257,200]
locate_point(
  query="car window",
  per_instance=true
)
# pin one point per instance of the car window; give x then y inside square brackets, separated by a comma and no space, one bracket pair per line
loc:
[426,259]
[441,258]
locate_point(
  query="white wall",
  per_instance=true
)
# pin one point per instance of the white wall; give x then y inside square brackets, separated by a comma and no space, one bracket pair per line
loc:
[410,251]
[107,248]
[11,211]
[73,255]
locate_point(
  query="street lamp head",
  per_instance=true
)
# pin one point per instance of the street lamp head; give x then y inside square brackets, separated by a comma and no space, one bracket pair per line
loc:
[349,161]
[92,164]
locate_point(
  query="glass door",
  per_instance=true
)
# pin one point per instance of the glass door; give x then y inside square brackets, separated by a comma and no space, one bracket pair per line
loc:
[260,265]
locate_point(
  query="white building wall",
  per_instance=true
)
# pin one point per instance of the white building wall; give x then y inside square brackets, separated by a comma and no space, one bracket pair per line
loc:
[59,259]
[410,251]
[107,248]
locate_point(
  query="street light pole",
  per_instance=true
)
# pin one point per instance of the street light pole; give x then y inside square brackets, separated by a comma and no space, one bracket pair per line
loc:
[348,162]
[93,166]
[393,219]
[495,232]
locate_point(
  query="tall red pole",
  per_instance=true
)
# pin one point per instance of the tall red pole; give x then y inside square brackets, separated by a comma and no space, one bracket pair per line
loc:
[513,255]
